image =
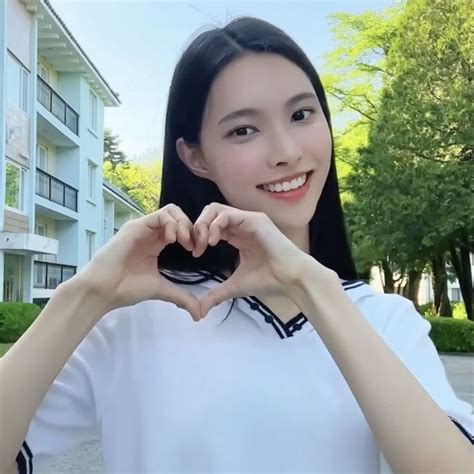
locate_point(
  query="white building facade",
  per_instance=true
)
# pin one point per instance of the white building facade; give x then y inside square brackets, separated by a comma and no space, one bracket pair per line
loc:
[55,208]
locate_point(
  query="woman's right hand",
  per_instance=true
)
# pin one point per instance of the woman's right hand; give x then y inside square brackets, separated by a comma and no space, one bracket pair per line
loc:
[125,270]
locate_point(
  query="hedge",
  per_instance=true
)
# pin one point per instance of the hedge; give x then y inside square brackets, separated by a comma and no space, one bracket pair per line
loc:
[447,334]
[452,335]
[15,319]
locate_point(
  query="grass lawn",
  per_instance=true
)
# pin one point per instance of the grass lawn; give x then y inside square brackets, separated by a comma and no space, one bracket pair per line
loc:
[4,348]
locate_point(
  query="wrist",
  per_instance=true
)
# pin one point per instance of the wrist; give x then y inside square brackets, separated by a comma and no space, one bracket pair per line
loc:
[309,277]
[83,288]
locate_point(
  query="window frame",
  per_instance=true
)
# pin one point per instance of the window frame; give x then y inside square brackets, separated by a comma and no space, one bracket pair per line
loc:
[90,239]
[22,190]
[22,95]
[91,180]
[93,107]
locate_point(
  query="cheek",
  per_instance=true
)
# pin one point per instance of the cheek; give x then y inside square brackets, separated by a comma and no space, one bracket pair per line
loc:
[235,175]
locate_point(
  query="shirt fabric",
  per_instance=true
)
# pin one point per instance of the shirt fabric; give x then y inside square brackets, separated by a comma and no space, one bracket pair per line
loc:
[245,393]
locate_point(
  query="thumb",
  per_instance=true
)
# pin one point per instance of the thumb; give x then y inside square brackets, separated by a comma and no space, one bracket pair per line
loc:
[222,292]
[181,298]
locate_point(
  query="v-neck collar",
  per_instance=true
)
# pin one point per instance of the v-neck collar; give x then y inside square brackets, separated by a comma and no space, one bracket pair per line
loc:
[269,322]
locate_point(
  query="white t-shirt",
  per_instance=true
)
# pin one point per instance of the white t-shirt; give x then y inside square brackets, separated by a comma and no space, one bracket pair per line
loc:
[247,394]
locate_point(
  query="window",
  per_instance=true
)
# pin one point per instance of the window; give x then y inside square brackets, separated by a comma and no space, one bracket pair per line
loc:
[42,157]
[455,294]
[92,111]
[43,72]
[41,229]
[15,187]
[17,84]
[90,237]
[91,180]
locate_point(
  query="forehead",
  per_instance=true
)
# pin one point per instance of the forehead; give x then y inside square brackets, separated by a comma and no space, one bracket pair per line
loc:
[256,80]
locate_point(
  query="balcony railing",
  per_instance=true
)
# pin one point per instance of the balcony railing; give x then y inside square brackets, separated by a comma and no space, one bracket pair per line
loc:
[49,275]
[57,106]
[55,190]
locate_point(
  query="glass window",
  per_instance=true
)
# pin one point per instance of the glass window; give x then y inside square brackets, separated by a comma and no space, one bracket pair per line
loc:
[455,294]
[92,111]
[15,185]
[42,157]
[43,72]
[90,243]
[17,84]
[24,83]
[39,275]
[91,179]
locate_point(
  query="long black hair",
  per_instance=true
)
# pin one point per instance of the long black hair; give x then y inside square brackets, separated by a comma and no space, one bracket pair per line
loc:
[195,72]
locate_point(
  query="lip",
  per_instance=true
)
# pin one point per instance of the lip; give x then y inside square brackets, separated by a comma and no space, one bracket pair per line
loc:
[293,194]
[286,178]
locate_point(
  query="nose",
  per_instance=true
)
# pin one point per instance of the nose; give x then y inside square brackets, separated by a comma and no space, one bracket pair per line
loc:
[284,150]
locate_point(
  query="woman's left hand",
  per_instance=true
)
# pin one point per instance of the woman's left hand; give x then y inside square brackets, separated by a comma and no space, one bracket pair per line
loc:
[270,263]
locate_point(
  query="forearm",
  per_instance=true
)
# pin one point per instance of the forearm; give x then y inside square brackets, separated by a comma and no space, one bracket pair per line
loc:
[34,361]
[413,433]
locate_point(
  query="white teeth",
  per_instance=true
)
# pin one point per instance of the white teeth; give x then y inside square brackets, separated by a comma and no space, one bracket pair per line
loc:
[286,185]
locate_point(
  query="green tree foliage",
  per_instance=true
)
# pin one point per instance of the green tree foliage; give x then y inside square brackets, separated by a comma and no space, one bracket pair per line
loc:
[407,177]
[142,182]
[112,152]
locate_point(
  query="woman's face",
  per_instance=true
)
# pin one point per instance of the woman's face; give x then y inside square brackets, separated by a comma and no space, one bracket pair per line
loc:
[263,124]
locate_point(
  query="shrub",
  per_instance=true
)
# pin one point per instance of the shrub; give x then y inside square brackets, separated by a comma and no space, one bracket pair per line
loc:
[452,335]
[459,310]
[15,319]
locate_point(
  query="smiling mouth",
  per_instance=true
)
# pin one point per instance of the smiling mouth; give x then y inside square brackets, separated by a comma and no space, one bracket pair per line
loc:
[285,186]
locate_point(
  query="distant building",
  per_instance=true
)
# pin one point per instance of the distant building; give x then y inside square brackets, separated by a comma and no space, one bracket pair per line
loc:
[55,208]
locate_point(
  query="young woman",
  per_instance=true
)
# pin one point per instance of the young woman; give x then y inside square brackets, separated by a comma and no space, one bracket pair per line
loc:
[254,348]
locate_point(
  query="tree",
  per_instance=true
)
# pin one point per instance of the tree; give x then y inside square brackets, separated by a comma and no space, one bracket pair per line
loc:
[112,152]
[141,182]
[407,206]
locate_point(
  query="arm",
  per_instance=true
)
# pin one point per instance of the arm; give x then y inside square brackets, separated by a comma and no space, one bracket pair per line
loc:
[413,433]
[32,364]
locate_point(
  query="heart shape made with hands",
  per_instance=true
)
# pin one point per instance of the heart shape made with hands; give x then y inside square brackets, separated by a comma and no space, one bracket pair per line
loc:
[262,248]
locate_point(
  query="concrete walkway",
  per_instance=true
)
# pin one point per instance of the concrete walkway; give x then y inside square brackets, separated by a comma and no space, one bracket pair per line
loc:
[88,457]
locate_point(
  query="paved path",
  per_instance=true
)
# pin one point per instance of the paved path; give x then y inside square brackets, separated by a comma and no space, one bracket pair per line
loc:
[88,457]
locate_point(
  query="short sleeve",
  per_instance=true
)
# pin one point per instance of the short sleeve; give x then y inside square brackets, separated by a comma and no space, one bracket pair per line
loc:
[407,333]
[68,414]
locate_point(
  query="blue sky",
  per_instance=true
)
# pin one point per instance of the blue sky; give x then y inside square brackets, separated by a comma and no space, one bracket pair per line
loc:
[136,44]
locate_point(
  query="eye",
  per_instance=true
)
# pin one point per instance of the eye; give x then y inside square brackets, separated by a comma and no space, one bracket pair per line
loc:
[239,130]
[300,113]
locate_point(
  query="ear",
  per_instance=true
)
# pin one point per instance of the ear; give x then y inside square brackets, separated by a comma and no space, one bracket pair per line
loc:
[192,158]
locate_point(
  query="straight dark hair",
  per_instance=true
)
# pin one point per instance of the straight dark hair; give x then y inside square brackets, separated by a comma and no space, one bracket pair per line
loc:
[206,56]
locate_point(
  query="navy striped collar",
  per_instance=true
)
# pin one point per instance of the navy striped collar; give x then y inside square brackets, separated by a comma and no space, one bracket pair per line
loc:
[261,313]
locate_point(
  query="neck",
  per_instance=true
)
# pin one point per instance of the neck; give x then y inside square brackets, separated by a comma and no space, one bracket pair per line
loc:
[299,236]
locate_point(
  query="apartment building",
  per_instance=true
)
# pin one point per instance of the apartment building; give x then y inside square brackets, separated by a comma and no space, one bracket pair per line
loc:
[55,208]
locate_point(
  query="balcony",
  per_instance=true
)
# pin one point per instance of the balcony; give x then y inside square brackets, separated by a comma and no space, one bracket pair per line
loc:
[55,190]
[48,276]
[50,100]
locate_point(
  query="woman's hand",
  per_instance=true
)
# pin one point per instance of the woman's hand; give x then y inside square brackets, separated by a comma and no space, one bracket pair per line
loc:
[270,263]
[125,271]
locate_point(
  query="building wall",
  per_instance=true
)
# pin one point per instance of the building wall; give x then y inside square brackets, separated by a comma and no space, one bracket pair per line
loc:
[19,27]
[92,149]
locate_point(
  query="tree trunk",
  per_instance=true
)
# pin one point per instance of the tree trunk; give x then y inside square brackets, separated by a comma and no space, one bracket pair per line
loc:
[388,277]
[413,287]
[440,286]
[462,267]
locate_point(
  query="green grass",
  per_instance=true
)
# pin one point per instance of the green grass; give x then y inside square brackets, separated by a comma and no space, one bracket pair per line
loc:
[4,348]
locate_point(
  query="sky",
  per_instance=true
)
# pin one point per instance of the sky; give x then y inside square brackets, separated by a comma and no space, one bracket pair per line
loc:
[136,45]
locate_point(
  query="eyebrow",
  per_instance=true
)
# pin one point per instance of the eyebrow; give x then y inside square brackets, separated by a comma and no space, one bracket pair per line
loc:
[253,112]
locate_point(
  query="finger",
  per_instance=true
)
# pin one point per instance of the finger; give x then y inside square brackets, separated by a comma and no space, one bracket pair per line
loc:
[171,229]
[217,226]
[184,236]
[184,229]
[201,233]
[217,295]
[181,298]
